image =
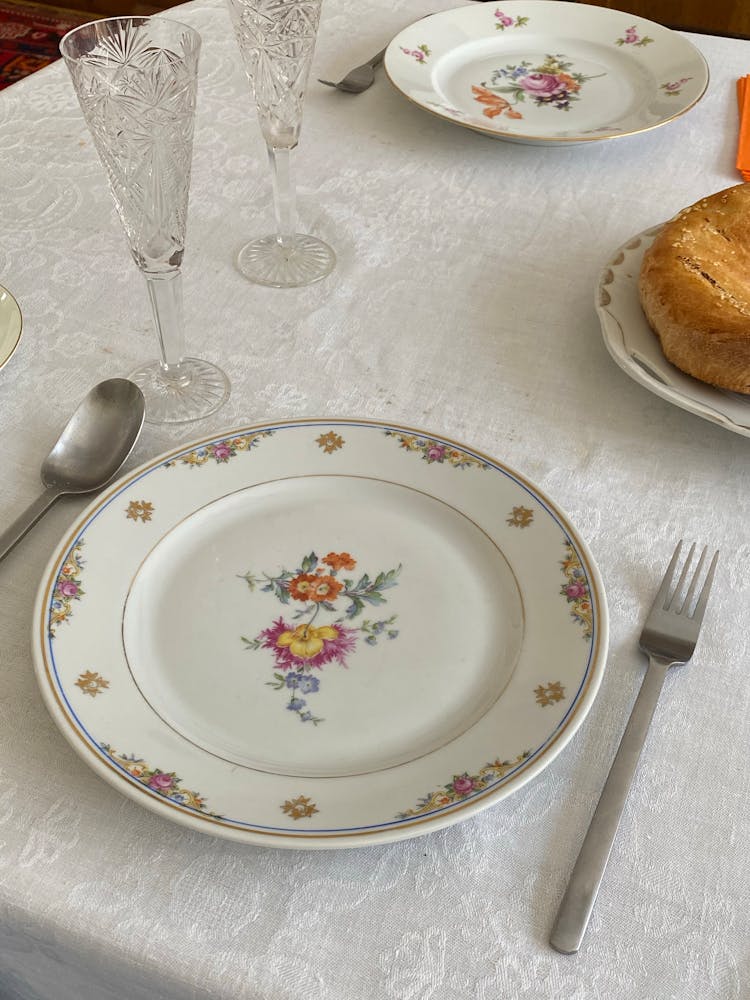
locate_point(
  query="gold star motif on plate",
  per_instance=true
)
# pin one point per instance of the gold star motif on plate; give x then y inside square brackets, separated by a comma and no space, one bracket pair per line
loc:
[330,442]
[520,517]
[91,683]
[299,808]
[548,694]
[139,510]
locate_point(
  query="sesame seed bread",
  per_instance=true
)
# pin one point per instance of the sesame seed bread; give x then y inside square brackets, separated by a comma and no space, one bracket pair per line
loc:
[694,287]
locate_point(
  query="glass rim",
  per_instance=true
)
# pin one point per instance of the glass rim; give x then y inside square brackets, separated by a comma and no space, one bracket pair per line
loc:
[137,18]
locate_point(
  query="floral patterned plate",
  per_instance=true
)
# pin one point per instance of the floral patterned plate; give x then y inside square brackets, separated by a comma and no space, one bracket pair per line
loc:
[320,634]
[635,348]
[547,71]
[11,325]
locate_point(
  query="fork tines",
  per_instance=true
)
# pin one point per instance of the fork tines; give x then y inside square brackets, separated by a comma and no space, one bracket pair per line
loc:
[671,599]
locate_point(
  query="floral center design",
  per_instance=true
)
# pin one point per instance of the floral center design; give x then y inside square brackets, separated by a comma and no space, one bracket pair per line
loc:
[306,641]
[310,645]
[550,84]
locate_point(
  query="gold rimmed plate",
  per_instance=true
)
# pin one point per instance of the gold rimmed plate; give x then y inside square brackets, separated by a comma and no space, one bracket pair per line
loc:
[635,348]
[320,633]
[547,72]
[11,325]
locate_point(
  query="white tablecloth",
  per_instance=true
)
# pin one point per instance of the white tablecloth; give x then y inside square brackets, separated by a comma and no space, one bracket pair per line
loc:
[462,303]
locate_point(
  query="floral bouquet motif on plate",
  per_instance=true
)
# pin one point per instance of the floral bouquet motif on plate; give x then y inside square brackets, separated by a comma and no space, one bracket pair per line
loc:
[550,84]
[325,602]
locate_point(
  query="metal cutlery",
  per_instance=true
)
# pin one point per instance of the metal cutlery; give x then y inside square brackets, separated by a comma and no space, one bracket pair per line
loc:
[359,78]
[668,638]
[93,445]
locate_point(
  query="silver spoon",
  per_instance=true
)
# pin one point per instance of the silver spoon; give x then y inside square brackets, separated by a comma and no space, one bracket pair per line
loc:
[96,441]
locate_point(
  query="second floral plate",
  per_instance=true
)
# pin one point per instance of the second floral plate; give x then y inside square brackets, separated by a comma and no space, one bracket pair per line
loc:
[547,72]
[320,634]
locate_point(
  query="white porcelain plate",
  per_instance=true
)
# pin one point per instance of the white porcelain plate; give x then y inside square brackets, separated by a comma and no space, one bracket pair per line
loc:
[547,71]
[11,325]
[320,634]
[636,349]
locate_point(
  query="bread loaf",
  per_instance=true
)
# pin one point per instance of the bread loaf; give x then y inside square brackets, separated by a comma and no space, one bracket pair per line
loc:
[694,287]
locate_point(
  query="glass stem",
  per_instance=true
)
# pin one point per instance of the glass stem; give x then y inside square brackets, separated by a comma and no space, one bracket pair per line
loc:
[283,195]
[165,294]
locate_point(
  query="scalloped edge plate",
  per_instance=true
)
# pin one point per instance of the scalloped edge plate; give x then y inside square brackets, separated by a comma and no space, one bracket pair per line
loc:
[635,348]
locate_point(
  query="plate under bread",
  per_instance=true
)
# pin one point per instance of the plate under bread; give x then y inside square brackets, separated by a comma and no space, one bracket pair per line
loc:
[635,347]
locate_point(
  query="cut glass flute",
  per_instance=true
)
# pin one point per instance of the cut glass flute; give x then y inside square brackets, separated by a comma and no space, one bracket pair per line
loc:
[277,40]
[136,81]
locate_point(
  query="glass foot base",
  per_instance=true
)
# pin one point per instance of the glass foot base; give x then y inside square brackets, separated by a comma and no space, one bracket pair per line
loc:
[266,262]
[201,390]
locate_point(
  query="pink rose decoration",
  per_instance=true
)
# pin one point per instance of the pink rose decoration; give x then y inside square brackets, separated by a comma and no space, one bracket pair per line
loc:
[68,588]
[222,452]
[463,785]
[161,782]
[541,84]
[436,454]
[503,18]
[575,590]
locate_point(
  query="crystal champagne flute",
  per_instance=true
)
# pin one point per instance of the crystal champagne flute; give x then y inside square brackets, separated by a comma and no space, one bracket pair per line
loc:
[277,40]
[136,80]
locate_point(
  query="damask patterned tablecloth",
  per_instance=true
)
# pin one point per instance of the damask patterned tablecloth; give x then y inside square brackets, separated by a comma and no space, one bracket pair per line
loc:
[462,303]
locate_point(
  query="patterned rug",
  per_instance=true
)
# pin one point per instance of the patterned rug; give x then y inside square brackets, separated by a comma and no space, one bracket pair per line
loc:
[30,35]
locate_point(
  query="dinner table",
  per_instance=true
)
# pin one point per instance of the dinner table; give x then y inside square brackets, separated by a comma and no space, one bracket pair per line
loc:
[474,306]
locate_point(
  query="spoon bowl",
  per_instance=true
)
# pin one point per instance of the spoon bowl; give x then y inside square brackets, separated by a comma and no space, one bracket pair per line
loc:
[92,447]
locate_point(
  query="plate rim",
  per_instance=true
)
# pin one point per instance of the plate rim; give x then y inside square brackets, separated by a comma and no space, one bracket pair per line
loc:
[676,395]
[15,308]
[543,755]
[546,140]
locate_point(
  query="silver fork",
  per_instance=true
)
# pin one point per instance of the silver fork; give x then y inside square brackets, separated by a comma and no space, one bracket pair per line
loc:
[668,638]
[359,78]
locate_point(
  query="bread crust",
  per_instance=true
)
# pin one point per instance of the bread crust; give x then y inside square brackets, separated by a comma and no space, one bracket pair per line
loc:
[694,288]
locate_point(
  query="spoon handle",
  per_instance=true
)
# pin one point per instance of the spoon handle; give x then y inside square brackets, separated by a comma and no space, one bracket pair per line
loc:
[15,531]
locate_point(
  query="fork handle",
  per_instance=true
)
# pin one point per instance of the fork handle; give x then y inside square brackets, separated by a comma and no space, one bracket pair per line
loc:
[377,60]
[578,901]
